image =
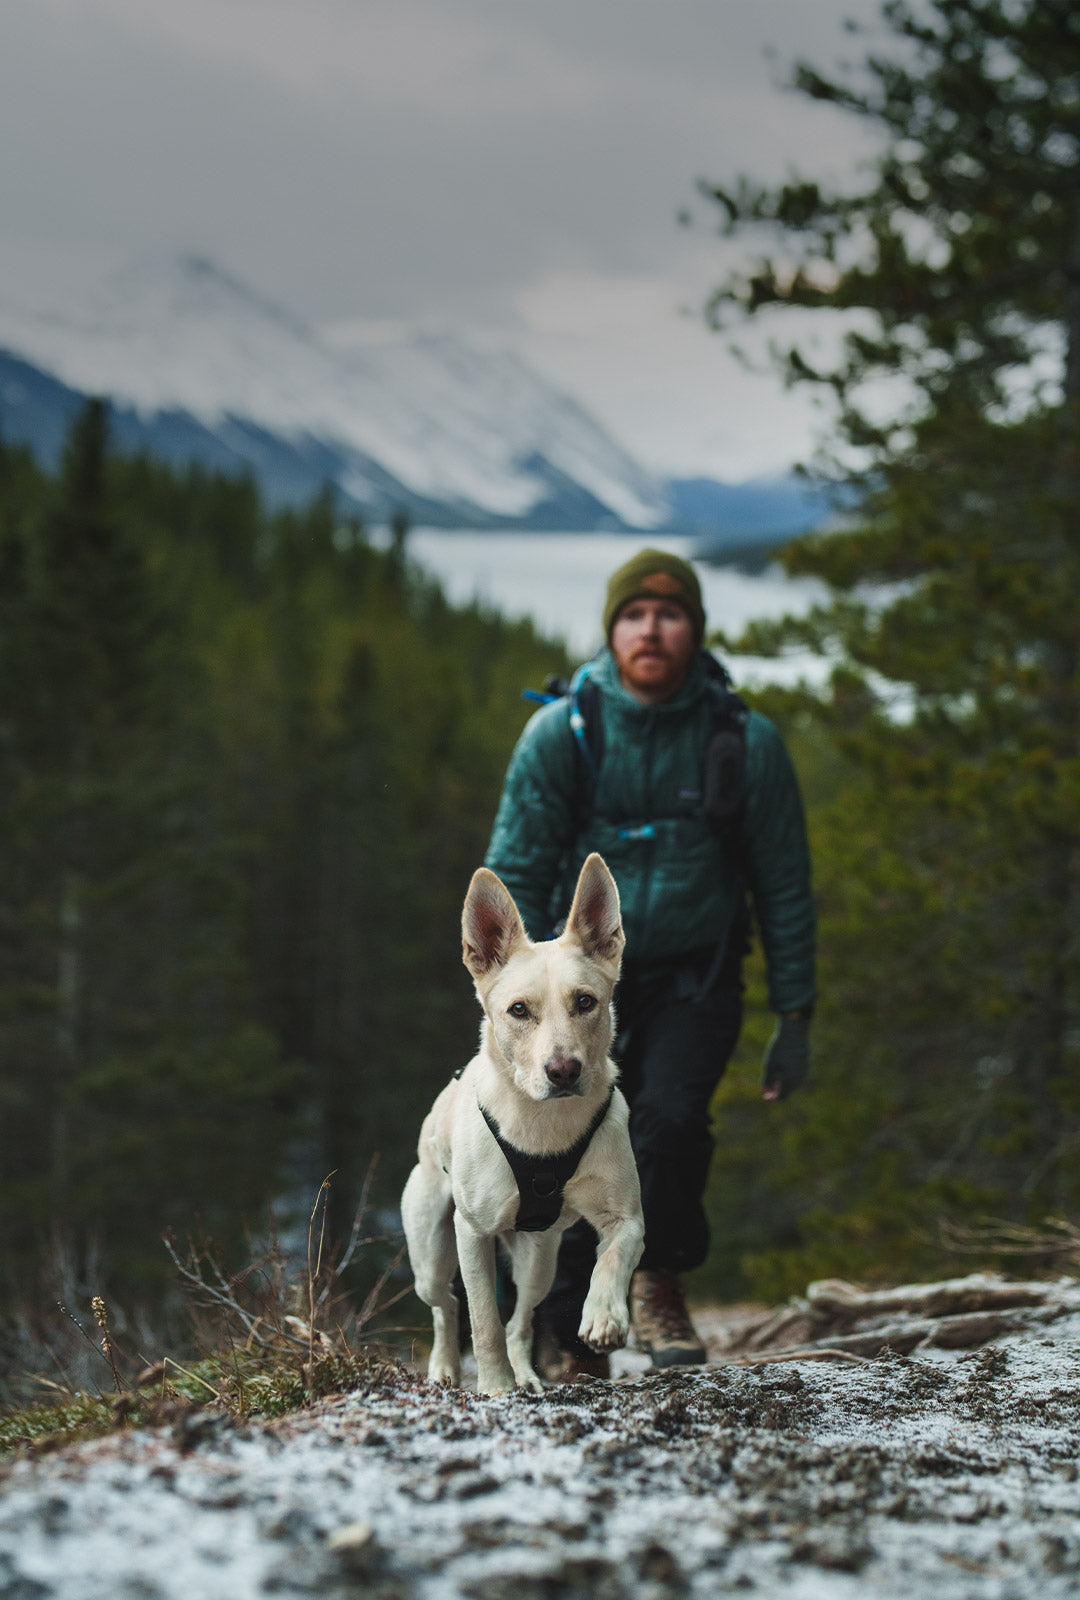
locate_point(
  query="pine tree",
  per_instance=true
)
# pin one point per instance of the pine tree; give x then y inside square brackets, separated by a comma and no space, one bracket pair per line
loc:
[956,268]
[132,1065]
[80,635]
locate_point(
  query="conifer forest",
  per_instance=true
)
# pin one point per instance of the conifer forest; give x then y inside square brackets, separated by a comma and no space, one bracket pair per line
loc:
[248,766]
[248,760]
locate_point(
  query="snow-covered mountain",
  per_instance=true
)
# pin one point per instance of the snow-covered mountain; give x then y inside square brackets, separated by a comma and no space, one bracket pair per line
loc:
[201,367]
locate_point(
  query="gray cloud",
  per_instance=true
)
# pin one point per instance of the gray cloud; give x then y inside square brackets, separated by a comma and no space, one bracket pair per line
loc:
[396,158]
[380,169]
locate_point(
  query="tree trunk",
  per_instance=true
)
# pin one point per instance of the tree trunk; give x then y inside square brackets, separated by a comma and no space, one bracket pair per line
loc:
[69,981]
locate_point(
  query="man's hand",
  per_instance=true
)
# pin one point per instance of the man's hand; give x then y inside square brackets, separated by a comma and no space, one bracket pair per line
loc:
[787,1058]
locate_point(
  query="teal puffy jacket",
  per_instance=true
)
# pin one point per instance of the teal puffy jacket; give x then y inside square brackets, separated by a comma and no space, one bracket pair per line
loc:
[679,889]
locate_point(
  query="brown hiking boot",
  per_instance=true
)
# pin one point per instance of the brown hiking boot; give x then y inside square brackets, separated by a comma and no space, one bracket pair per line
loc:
[661,1322]
[556,1365]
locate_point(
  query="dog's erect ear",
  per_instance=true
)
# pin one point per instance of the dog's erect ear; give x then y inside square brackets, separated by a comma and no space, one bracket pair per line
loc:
[594,920]
[491,924]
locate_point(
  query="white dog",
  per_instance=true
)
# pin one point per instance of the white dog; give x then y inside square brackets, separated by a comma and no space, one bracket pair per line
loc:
[529,1137]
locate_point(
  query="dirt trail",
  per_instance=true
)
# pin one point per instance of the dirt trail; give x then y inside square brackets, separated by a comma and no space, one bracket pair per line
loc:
[946,1472]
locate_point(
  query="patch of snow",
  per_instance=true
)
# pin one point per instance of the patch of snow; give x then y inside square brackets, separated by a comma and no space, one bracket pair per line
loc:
[944,1474]
[449,419]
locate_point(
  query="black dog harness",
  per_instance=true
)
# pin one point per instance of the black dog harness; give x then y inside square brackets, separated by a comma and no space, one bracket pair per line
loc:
[542,1179]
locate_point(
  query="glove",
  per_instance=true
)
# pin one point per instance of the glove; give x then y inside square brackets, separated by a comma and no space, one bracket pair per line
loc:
[787,1057]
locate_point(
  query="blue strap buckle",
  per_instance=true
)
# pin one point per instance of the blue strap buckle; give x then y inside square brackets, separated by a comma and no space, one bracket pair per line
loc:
[643,830]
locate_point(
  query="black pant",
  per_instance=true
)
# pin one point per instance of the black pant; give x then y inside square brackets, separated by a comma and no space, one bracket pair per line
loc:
[678,1025]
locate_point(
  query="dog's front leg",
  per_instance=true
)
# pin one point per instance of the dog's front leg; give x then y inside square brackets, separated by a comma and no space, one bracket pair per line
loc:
[605,1320]
[476,1257]
[534,1256]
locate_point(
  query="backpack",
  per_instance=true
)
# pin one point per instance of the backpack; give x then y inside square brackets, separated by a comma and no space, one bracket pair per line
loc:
[724,767]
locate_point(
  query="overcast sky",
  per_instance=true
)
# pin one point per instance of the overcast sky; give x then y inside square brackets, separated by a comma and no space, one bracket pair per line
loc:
[515,166]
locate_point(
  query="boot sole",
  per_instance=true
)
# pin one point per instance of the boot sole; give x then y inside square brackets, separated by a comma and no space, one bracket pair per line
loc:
[685,1356]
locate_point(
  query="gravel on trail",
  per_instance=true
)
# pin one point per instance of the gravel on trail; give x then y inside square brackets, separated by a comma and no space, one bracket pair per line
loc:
[945,1473]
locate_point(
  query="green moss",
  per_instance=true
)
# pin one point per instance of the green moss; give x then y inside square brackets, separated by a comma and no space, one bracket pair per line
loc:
[84,1416]
[244,1385]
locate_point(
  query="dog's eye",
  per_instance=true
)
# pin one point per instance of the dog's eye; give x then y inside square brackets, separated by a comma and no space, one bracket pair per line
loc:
[585,1002]
[518,1009]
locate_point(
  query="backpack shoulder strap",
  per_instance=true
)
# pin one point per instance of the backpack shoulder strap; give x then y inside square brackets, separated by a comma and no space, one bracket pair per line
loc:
[724,767]
[587,727]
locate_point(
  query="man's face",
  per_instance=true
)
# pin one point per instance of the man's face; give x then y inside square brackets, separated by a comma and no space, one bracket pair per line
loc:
[653,643]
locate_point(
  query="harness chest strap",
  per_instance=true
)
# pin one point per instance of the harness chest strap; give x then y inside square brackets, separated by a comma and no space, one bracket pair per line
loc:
[542,1179]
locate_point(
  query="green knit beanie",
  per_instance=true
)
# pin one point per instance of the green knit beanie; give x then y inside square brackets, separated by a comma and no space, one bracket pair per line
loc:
[655,575]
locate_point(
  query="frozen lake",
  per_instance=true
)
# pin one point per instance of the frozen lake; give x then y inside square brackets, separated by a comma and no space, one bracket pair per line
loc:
[559,580]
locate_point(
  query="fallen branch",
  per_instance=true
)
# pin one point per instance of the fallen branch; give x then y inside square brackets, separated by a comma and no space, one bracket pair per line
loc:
[977,1292]
[791,1324]
[955,1314]
[772,1357]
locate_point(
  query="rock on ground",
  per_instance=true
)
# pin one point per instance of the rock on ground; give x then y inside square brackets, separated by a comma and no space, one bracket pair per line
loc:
[948,1473]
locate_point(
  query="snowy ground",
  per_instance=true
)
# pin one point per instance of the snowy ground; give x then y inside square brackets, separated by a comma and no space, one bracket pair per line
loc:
[944,1474]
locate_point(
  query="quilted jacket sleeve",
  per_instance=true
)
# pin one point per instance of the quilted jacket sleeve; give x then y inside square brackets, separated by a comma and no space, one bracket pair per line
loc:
[779,864]
[534,824]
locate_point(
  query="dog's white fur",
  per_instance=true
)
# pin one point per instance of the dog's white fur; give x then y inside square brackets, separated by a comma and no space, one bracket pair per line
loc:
[546,1007]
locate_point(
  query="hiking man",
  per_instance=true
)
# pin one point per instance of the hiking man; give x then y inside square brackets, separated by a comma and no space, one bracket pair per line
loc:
[633,763]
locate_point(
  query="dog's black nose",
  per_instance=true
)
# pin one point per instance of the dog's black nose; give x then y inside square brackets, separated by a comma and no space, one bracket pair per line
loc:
[563,1071]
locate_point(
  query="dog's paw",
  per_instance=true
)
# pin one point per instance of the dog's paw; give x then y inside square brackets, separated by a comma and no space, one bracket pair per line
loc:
[495,1380]
[444,1373]
[604,1327]
[520,1360]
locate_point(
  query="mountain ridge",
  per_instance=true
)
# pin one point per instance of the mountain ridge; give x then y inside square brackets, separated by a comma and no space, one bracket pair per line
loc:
[426,421]
[199,367]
